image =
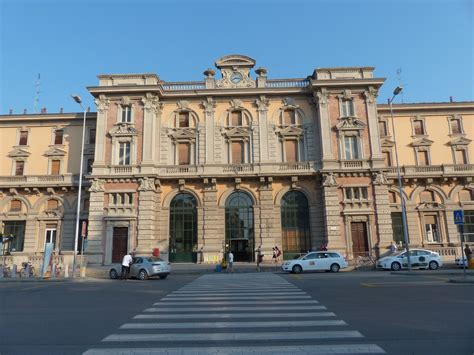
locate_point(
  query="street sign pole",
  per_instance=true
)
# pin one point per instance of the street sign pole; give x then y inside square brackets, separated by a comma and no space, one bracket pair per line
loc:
[459,220]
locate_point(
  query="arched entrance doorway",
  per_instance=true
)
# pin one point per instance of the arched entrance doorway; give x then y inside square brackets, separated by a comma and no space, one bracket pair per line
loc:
[239,230]
[295,231]
[183,228]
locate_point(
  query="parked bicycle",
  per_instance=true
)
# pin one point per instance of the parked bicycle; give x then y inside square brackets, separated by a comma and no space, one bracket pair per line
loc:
[367,260]
[27,270]
[7,271]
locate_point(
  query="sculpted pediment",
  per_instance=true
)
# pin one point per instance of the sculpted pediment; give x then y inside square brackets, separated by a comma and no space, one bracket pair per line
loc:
[422,142]
[430,206]
[290,131]
[123,129]
[234,60]
[237,132]
[55,152]
[19,152]
[385,142]
[348,123]
[183,133]
[460,141]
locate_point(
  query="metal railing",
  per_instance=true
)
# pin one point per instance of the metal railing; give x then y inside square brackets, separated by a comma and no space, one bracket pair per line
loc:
[194,85]
[287,83]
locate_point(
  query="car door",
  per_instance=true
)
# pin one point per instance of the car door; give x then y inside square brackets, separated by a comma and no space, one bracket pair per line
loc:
[136,266]
[323,261]
[424,258]
[310,262]
[413,259]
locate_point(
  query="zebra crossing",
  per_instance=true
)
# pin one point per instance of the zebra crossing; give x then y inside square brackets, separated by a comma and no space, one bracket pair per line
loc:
[258,313]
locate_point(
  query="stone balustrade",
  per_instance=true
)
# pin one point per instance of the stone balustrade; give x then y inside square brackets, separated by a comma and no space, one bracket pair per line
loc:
[38,180]
[433,170]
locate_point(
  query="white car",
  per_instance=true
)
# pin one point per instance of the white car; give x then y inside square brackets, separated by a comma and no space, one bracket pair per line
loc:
[419,259]
[318,260]
[460,262]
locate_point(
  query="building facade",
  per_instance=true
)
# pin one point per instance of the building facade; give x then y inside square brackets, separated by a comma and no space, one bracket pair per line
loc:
[239,161]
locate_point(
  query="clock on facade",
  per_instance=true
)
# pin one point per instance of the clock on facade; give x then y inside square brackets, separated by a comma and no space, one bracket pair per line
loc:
[235,77]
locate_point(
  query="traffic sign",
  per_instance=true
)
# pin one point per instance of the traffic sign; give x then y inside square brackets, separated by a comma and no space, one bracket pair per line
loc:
[458,217]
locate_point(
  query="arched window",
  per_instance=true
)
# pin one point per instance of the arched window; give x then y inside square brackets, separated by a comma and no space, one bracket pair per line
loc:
[466,195]
[239,230]
[183,228]
[15,206]
[427,196]
[52,205]
[295,223]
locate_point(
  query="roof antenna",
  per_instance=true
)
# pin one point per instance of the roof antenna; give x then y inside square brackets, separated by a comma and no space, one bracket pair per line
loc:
[400,84]
[37,86]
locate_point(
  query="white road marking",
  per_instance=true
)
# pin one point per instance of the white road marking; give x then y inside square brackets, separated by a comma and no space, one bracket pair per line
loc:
[230,308]
[328,334]
[236,315]
[221,325]
[257,302]
[240,350]
[235,298]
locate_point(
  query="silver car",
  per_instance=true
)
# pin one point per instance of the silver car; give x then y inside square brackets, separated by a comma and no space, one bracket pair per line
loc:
[143,267]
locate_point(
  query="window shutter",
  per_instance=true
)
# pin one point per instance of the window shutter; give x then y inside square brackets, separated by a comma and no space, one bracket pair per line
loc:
[184,119]
[422,158]
[289,117]
[58,136]
[238,152]
[184,150]
[387,158]
[465,195]
[52,205]
[236,118]
[19,166]
[418,127]
[92,136]
[383,128]
[15,206]
[461,156]
[430,219]
[55,167]
[291,151]
[455,126]
[23,138]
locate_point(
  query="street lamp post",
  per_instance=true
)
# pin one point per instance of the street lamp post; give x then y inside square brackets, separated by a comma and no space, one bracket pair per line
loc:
[398,90]
[76,238]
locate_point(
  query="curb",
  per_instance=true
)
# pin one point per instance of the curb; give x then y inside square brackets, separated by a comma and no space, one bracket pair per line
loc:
[461,281]
[13,280]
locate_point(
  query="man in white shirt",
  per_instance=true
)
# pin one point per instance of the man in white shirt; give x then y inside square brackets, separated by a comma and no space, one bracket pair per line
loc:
[126,261]
[231,261]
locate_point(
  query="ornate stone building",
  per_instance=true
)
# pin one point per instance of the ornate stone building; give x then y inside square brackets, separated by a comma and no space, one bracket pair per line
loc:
[238,160]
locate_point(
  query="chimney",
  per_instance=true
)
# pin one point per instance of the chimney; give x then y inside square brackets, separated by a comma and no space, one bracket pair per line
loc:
[24,111]
[388,101]
[43,110]
[88,109]
[11,112]
[61,110]
[450,99]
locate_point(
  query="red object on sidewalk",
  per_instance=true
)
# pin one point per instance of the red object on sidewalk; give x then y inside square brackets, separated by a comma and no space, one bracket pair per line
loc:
[156,251]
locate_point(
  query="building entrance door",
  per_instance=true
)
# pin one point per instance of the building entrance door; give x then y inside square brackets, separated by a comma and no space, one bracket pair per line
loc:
[242,249]
[119,243]
[360,244]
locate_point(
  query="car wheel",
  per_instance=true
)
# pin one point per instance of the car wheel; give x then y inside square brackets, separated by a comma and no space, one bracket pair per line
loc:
[163,276]
[297,269]
[142,275]
[396,266]
[113,274]
[335,268]
[433,265]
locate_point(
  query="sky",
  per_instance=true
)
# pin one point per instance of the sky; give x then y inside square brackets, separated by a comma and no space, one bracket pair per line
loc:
[70,42]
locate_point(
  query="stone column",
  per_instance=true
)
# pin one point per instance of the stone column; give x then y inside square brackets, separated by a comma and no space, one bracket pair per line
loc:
[452,234]
[147,203]
[213,224]
[151,130]
[332,213]
[209,109]
[374,136]
[268,233]
[414,237]
[102,104]
[316,218]
[322,101]
[95,249]
[262,110]
[31,235]
[382,212]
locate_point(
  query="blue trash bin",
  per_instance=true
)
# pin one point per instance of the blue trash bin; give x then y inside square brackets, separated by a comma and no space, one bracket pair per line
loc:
[218,268]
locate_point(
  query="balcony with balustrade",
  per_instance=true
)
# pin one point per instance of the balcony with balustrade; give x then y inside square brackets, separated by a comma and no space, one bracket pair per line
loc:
[38,180]
[445,170]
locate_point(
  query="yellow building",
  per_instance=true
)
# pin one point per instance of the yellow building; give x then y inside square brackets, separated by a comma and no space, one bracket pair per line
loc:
[235,162]
[39,169]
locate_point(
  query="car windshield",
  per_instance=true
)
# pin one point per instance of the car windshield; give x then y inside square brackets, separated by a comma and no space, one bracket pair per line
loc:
[153,259]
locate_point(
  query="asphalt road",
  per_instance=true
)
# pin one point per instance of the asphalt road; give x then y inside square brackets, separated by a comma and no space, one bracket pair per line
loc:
[399,314]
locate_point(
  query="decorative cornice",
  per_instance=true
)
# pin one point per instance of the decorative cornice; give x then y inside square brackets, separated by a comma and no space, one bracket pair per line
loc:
[19,153]
[380,179]
[350,123]
[147,184]
[329,180]
[123,129]
[98,185]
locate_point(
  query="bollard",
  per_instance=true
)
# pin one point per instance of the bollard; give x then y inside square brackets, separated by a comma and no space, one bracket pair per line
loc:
[66,270]
[53,272]
[83,271]
[14,270]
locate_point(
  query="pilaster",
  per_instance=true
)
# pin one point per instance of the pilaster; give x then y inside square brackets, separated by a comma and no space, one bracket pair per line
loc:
[372,118]
[332,213]
[321,98]
[102,104]
[382,211]
[213,226]
[152,109]
[209,109]
[96,230]
[452,233]
[147,206]
[262,110]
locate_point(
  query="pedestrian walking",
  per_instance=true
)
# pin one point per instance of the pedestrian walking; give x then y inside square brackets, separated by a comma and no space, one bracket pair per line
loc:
[259,257]
[469,260]
[126,262]
[231,262]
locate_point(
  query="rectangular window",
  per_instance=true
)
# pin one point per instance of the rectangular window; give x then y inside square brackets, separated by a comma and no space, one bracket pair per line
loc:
[17,230]
[422,157]
[92,136]
[184,154]
[383,128]
[124,153]
[387,157]
[19,167]
[461,156]
[23,138]
[236,118]
[356,193]
[55,167]
[351,144]
[238,153]
[184,119]
[58,136]
[291,151]
[397,227]
[456,126]
[15,206]
[347,108]
[50,236]
[418,127]
[469,226]
[126,114]
[431,228]
[289,117]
